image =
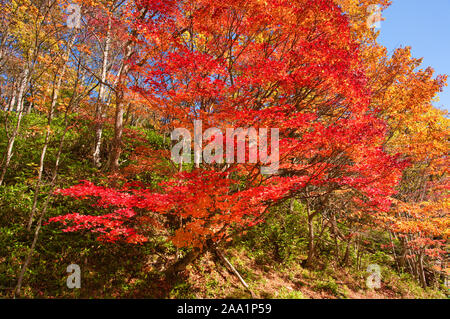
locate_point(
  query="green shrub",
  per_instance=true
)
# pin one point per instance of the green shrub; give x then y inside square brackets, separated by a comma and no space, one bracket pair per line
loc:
[285,293]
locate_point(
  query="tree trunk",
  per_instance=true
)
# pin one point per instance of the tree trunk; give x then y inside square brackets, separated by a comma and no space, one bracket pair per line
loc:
[421,270]
[19,109]
[12,99]
[234,271]
[116,148]
[99,110]
[181,264]
[120,86]
[43,212]
[55,96]
[335,235]
[345,259]
[311,244]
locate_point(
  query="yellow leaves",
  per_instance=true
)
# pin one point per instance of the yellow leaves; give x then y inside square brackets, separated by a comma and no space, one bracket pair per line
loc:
[186,36]
[198,41]
[404,96]
[420,136]
[359,13]
[262,2]
[261,38]
[428,218]
[401,92]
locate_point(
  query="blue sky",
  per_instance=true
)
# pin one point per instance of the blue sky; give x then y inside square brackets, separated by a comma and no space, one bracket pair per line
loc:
[425,26]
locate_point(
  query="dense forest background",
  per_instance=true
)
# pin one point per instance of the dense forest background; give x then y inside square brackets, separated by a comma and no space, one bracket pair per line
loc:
[90,92]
